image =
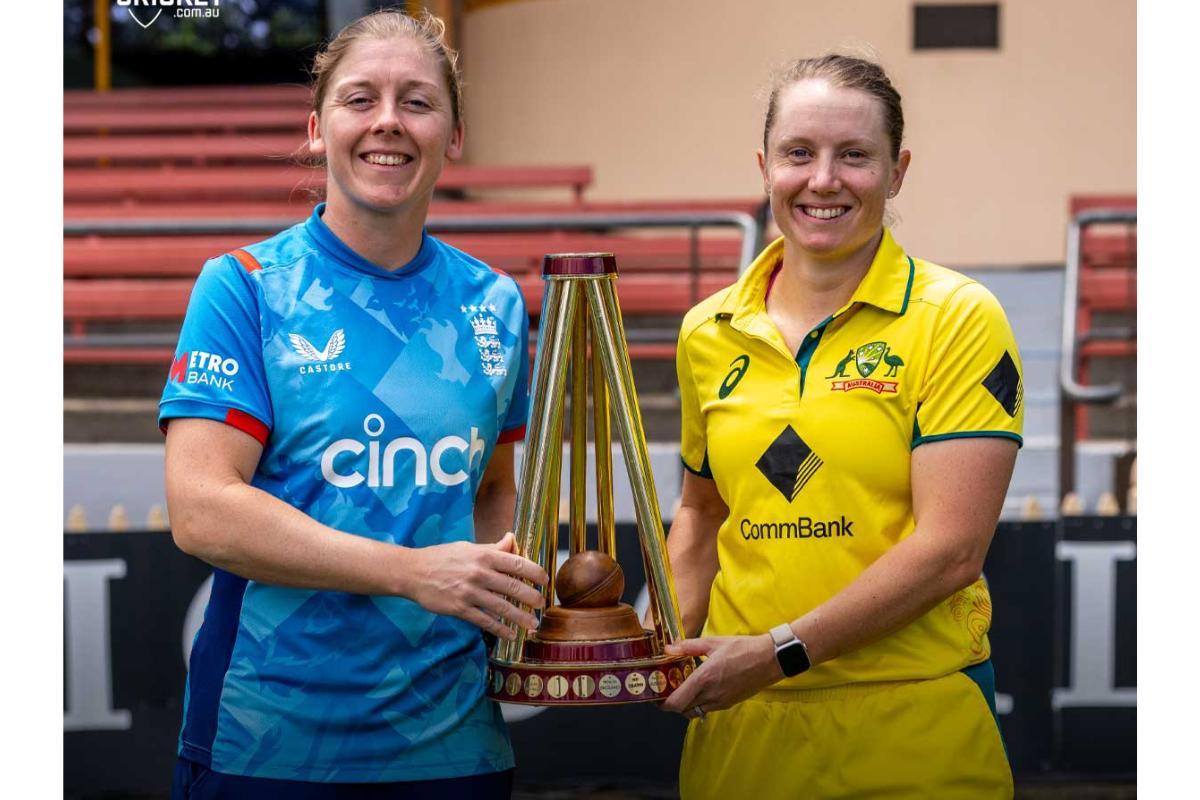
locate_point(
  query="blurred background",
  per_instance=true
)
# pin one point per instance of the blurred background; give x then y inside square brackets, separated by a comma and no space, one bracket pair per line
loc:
[628,127]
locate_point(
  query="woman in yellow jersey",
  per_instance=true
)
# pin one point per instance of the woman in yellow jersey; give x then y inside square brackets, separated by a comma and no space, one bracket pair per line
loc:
[851,417]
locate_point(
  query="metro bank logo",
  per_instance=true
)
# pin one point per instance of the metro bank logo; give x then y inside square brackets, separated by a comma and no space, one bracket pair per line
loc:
[197,367]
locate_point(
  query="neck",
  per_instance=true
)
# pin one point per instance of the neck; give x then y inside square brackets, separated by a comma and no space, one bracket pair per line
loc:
[390,239]
[817,286]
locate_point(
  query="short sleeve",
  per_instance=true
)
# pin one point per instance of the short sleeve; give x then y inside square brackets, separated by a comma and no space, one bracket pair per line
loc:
[513,428]
[973,386]
[693,440]
[218,370]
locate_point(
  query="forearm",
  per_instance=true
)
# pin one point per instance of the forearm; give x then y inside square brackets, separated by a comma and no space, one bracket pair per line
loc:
[250,533]
[692,550]
[494,507]
[904,583]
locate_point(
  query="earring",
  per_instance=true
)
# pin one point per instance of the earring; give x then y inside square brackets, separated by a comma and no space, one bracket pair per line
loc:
[892,193]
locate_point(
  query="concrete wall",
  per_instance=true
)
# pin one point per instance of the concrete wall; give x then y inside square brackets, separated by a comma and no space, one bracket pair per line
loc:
[665,99]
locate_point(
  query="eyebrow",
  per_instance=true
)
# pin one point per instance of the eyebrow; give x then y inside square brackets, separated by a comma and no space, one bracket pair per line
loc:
[365,83]
[788,141]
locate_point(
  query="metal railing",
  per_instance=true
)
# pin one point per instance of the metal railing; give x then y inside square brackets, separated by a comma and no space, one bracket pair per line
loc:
[1070,336]
[594,222]
[1074,393]
[693,221]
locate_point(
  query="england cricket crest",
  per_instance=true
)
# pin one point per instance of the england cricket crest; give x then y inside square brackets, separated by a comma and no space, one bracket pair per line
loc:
[483,326]
[867,357]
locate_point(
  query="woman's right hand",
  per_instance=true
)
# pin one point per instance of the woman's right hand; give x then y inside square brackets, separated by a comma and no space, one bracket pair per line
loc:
[479,583]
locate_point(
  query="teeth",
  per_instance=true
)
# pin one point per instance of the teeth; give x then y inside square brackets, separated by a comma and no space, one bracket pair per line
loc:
[824,213]
[389,160]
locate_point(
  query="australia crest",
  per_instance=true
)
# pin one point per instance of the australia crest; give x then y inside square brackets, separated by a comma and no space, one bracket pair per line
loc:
[867,360]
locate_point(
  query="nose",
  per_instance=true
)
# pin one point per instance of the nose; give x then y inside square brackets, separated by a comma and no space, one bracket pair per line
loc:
[388,118]
[824,178]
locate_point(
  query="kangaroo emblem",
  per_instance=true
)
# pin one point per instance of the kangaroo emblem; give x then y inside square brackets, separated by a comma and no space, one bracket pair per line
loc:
[841,367]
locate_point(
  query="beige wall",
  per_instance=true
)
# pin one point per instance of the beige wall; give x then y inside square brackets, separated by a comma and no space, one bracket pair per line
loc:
[665,100]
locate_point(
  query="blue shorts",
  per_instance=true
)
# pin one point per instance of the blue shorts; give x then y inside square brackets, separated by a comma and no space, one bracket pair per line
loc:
[196,782]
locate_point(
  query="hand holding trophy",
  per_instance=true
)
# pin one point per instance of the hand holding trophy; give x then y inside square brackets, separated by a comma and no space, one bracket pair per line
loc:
[590,649]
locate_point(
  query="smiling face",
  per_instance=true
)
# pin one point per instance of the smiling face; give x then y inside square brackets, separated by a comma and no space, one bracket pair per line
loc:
[385,127]
[828,170]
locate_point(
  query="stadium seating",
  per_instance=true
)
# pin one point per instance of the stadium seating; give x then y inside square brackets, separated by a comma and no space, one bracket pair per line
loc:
[229,153]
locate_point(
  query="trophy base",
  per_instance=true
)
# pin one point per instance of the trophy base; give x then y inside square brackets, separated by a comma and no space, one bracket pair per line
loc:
[590,624]
[594,683]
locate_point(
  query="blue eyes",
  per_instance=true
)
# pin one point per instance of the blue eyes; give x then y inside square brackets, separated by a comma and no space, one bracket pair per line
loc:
[803,153]
[413,103]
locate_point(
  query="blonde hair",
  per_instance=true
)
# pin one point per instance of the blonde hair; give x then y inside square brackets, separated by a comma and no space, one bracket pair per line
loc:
[426,28]
[847,72]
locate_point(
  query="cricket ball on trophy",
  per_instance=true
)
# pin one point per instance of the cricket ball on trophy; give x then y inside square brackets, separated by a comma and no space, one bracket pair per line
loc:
[589,579]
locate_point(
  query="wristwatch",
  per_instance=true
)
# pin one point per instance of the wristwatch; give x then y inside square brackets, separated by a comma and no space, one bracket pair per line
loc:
[790,652]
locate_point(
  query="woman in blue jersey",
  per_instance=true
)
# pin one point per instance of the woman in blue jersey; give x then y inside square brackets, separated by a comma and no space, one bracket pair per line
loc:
[851,416]
[340,420]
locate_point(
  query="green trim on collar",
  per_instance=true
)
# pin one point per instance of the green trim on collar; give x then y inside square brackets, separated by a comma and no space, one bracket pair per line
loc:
[912,272]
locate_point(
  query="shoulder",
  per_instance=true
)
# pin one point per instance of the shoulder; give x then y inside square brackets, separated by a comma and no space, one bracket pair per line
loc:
[268,255]
[279,251]
[950,293]
[470,270]
[701,319]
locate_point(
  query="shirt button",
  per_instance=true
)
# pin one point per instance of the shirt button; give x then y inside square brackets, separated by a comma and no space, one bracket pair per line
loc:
[814,334]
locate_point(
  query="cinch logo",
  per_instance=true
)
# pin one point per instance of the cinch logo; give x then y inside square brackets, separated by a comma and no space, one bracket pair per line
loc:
[184,9]
[333,349]
[198,367]
[789,463]
[740,365]
[381,467]
[866,359]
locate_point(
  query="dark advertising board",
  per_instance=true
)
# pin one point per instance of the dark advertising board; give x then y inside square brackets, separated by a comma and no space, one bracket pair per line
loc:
[1063,637]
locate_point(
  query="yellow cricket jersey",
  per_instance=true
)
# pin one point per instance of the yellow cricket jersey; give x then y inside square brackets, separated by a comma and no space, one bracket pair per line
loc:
[811,450]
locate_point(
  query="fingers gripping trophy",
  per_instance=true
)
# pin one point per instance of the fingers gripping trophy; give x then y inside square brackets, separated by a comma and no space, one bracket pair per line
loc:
[589,648]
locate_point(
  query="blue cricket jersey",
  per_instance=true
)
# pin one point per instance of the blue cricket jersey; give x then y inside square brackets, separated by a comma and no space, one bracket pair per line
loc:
[379,397]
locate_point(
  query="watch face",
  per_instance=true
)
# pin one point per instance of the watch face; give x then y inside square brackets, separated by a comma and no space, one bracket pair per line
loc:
[792,658]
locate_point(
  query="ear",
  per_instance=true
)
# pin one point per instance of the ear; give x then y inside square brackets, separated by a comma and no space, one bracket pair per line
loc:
[899,171]
[454,150]
[316,144]
[762,167]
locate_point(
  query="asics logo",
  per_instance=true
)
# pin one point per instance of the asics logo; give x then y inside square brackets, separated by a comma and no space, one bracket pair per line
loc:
[342,461]
[740,365]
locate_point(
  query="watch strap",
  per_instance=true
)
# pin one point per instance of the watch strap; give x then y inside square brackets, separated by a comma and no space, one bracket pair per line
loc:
[782,633]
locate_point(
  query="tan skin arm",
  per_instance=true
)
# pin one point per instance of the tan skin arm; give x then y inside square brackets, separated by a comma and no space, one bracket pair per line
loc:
[496,499]
[958,489]
[217,516]
[692,550]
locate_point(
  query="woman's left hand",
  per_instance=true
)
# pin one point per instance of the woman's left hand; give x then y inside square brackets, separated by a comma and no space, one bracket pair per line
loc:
[736,667]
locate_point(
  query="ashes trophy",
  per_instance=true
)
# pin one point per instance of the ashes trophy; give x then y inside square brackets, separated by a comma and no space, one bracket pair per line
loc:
[589,649]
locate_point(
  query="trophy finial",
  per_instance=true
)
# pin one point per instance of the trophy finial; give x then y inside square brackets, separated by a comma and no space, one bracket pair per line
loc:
[578,264]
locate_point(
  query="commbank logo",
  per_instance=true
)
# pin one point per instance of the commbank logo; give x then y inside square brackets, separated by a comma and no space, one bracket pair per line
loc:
[789,463]
[381,467]
[740,365]
[1004,382]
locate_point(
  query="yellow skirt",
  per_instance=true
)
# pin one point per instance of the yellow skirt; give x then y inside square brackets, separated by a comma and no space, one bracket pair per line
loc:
[911,739]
